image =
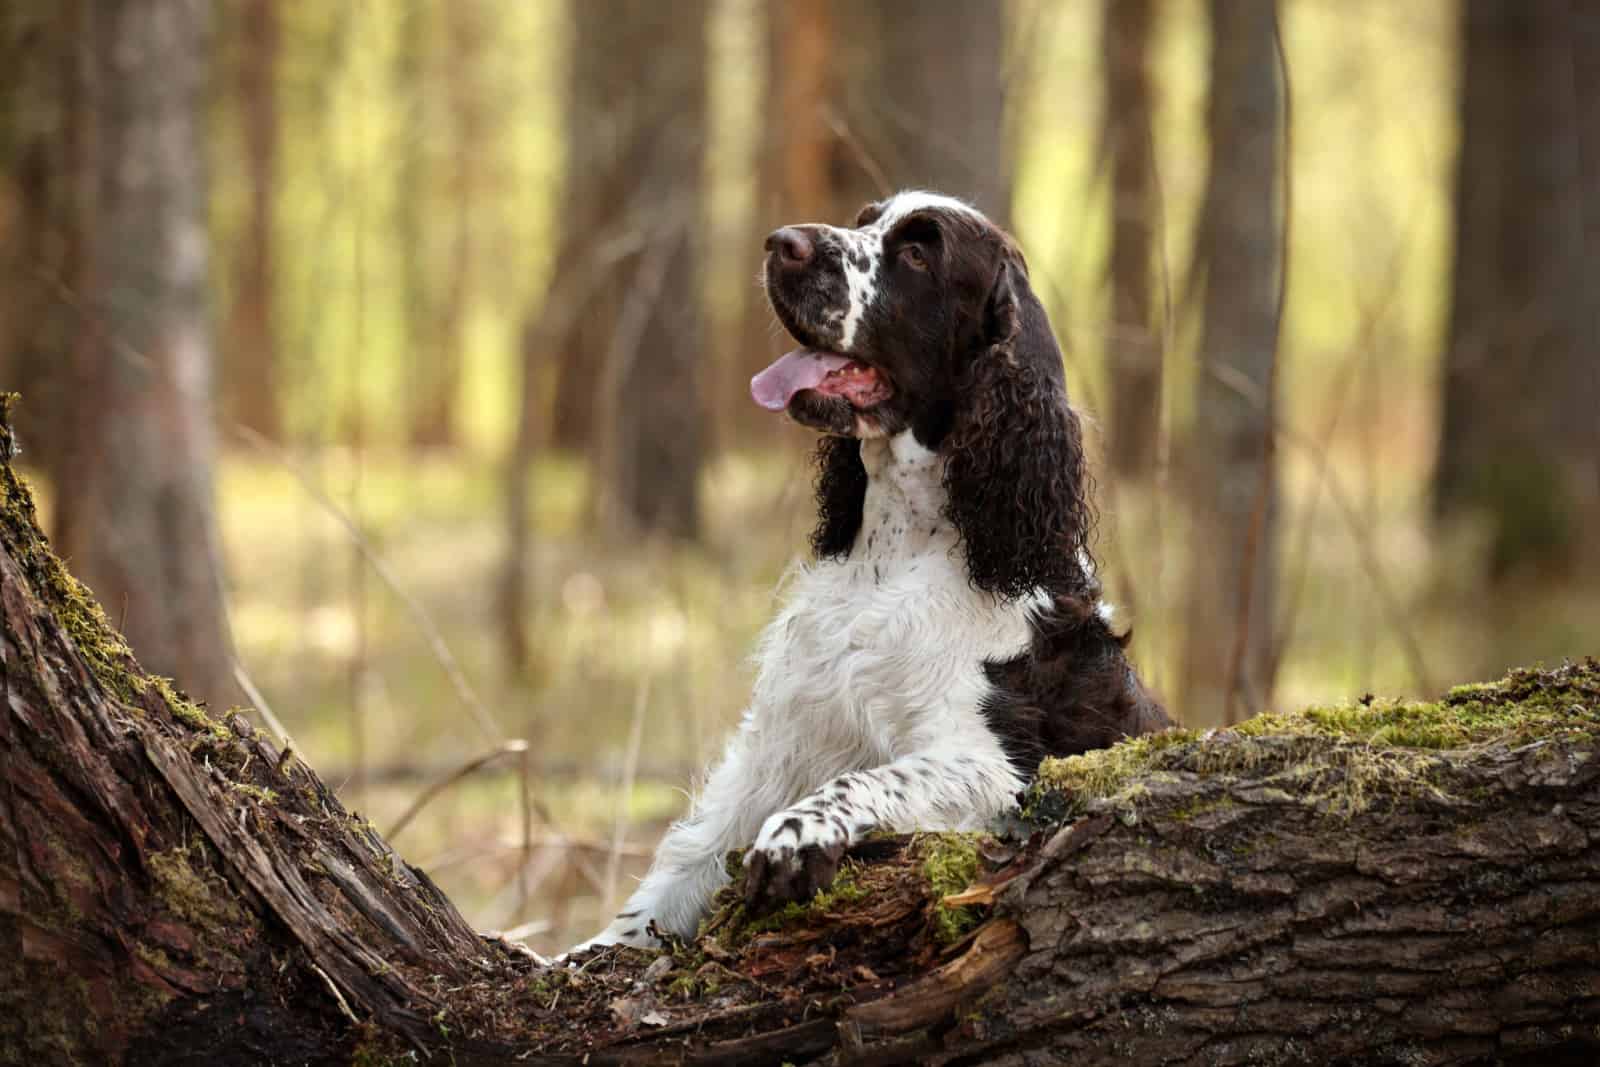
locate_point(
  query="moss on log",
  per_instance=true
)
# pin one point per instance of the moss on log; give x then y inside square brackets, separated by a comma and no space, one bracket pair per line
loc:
[1385,882]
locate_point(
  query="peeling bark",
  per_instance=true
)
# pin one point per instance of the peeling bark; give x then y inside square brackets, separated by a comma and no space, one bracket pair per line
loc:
[173,889]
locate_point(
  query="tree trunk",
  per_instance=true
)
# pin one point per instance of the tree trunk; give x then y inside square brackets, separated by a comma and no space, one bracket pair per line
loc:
[1128,138]
[418,207]
[622,320]
[251,364]
[1336,887]
[439,362]
[654,361]
[133,473]
[1230,478]
[620,330]
[38,245]
[1524,321]
[923,100]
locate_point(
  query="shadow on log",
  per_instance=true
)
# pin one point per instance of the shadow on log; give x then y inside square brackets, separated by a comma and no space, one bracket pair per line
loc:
[1391,883]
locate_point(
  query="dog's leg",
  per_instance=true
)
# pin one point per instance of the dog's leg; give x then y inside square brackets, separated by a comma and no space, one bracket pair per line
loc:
[799,849]
[688,866]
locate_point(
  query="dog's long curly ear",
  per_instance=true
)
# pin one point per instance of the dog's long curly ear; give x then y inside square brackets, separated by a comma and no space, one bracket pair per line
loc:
[841,495]
[1014,474]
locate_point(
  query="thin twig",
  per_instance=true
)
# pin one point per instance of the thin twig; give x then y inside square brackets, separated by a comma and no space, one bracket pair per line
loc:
[358,576]
[542,770]
[630,765]
[1373,313]
[516,746]
[552,842]
[344,1005]
[525,814]
[419,616]
[527,930]
[868,164]
[1169,345]
[1232,379]
[262,707]
[1290,613]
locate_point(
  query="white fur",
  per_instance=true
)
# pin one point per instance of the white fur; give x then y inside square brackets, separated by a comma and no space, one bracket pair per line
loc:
[865,713]
[861,287]
[904,203]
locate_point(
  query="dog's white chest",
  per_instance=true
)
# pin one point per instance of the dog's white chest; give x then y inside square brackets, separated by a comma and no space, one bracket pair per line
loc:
[878,655]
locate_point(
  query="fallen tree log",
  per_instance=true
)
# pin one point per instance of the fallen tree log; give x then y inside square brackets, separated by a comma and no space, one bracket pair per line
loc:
[1384,883]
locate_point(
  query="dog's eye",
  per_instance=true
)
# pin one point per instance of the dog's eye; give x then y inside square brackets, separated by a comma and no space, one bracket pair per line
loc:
[913,257]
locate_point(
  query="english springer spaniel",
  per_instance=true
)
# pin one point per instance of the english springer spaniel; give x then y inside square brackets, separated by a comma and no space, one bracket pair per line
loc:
[950,632]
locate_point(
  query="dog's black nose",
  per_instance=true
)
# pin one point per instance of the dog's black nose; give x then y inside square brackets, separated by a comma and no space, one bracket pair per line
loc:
[794,248]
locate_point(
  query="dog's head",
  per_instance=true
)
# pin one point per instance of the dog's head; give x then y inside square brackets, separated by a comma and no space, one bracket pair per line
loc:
[921,318]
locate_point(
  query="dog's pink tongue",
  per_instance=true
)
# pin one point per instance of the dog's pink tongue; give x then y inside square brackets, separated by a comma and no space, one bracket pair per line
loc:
[801,369]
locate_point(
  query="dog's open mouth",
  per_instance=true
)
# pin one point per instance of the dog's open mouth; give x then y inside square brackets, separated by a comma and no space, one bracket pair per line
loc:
[826,372]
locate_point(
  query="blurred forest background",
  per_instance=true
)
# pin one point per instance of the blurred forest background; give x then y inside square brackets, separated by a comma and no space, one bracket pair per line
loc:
[384,362]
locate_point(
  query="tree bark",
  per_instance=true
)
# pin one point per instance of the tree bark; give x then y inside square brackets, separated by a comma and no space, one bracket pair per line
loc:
[174,890]
[1229,471]
[1524,320]
[133,471]
[1128,137]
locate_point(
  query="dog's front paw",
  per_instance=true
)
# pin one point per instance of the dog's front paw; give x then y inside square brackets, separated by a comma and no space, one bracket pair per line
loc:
[795,855]
[625,930]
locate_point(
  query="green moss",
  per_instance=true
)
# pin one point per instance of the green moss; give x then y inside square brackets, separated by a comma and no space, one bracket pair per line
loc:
[1343,757]
[157,958]
[257,793]
[61,1020]
[1185,812]
[182,883]
[71,603]
[949,861]
[787,915]
[378,1051]
[847,889]
[1108,774]
[691,986]
[551,982]
[181,706]
[950,864]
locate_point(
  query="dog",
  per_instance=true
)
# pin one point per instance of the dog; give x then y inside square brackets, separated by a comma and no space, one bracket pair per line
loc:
[949,632]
